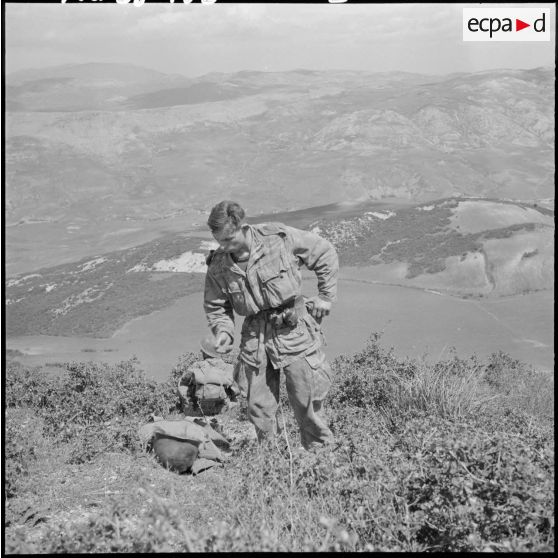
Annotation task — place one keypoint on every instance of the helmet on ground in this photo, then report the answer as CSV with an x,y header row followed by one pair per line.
x,y
174,454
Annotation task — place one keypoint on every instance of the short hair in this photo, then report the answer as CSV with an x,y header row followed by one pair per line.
x,y
225,213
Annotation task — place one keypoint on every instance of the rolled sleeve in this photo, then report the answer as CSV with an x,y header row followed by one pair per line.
x,y
319,256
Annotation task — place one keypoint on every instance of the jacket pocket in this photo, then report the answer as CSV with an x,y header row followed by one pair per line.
x,y
271,270
292,340
276,283
314,328
322,376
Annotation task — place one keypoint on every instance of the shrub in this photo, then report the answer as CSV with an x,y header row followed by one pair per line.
x,y
156,528
469,488
427,457
521,386
450,389
28,387
369,379
95,407
23,435
399,388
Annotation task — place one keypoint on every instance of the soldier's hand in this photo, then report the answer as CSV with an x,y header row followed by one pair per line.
x,y
319,308
223,342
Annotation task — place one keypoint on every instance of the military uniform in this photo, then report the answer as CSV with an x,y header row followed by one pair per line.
x,y
271,280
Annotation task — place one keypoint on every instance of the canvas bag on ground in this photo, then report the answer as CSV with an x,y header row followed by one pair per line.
x,y
186,445
208,385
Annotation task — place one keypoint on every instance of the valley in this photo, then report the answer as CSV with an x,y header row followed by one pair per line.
x,y
414,322
436,191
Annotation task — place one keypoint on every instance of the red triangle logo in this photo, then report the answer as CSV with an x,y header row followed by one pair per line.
x,y
519,25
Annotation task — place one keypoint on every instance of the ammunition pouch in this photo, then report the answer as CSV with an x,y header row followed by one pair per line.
x,y
288,314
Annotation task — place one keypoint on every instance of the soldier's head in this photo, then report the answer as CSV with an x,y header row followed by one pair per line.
x,y
225,221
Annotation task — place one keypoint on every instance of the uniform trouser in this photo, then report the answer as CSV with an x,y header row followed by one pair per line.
x,y
307,380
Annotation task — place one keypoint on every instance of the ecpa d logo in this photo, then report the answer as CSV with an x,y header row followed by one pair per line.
x,y
506,24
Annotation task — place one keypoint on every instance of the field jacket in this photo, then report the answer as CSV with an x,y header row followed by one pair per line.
x,y
272,278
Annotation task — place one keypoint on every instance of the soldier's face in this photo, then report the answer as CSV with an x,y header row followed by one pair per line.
x,y
230,239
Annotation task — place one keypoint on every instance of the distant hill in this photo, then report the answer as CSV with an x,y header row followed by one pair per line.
x,y
88,72
78,87
95,296
94,144
464,247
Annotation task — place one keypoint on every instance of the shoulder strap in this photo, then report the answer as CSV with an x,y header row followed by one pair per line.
x,y
280,229
271,228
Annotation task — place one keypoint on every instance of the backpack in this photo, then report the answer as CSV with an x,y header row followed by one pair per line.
x,y
186,445
208,387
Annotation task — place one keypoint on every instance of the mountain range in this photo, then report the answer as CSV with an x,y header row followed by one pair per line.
x,y
95,146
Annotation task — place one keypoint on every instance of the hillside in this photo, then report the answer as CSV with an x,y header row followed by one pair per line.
x,y
459,246
438,194
462,247
79,87
95,296
148,147
453,456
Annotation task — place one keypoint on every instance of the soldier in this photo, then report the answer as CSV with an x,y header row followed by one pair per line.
x,y
255,272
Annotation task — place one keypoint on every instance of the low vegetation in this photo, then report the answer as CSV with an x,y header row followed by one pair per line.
x,y
456,455
80,300
96,296
423,239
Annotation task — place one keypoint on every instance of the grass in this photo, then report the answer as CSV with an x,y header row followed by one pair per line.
x,y
457,455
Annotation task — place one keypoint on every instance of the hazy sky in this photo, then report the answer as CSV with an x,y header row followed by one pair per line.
x,y
194,39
